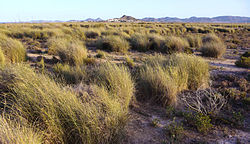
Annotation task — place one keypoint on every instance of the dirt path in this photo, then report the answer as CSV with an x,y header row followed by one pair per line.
x,y
227,66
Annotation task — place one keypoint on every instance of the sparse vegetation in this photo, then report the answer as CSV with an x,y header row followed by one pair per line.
x,y
89,82
70,51
13,49
113,43
174,74
244,60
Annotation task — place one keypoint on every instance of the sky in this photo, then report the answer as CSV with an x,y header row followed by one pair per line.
x,y
26,10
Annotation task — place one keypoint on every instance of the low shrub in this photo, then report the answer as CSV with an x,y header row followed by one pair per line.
x,y
174,74
194,41
16,133
174,44
117,80
70,51
244,60
211,38
140,42
2,58
175,131
72,75
200,121
64,116
213,49
92,33
113,43
129,61
100,54
13,50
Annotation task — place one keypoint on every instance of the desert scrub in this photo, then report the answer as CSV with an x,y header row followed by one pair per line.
x,y
13,50
71,51
2,58
210,38
213,46
194,41
101,54
70,74
213,49
200,121
116,80
113,43
206,101
64,116
129,61
175,131
15,132
92,33
161,78
244,60
140,42
174,44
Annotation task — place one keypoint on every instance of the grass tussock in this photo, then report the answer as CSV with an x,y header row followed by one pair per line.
x,y
2,57
13,50
69,50
113,43
72,75
174,74
117,80
175,44
213,49
244,60
12,132
140,42
64,116
194,41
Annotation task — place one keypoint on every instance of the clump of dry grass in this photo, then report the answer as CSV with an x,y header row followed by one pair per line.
x,y
140,42
113,43
2,57
13,50
64,116
15,133
194,41
212,46
162,78
175,44
69,50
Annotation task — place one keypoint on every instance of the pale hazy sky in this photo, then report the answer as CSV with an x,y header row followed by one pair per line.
x,y
25,10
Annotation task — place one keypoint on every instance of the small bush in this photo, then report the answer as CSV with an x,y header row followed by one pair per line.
x,y
92,33
12,132
213,49
129,61
244,60
101,54
175,44
2,58
64,116
200,121
117,80
175,131
174,74
211,38
70,51
113,43
194,41
13,50
140,42
72,75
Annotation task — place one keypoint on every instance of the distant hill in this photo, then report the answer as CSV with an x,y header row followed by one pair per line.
x,y
93,20
219,19
124,18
